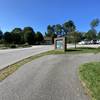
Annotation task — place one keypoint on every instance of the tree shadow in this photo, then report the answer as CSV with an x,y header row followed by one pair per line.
x,y
72,50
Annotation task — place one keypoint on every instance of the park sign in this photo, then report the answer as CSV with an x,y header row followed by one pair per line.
x,y
60,43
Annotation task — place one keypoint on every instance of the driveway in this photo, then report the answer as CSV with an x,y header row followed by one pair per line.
x,y
53,77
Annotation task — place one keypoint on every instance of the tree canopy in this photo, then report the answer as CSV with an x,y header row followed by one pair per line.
x,y
69,26
91,35
94,23
39,37
1,34
29,35
67,29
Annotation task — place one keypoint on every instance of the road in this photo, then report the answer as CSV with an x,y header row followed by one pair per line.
x,y
53,77
11,56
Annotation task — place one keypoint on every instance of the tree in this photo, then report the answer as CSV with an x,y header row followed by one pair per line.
x,y
8,37
39,37
17,30
91,35
58,30
29,35
75,37
94,23
50,30
18,36
98,35
69,27
1,34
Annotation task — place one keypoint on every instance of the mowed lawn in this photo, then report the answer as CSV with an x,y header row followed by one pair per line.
x,y
90,75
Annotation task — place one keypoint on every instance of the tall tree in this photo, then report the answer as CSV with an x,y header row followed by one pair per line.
x,y
91,35
39,37
1,34
98,35
58,30
17,35
94,23
75,37
8,38
69,26
17,30
50,30
29,35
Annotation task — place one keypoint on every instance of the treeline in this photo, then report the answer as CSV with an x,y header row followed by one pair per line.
x,y
21,36
27,35
67,29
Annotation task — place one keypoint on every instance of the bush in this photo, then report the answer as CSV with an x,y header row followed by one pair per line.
x,y
13,46
26,45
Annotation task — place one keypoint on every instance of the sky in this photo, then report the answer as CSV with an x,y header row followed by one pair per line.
x,y
40,13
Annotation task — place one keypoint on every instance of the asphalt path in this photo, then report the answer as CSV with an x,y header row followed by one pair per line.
x,y
53,77
10,56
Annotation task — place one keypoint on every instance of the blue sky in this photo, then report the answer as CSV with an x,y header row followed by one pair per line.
x,y
40,13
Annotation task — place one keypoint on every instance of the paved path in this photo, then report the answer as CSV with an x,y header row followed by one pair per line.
x,y
11,56
51,77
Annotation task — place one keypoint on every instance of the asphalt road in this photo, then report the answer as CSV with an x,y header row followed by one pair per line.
x,y
11,56
53,77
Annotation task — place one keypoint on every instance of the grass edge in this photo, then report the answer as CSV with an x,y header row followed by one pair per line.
x,y
87,91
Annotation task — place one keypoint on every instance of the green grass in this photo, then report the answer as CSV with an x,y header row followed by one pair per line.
x,y
75,51
12,68
90,75
83,50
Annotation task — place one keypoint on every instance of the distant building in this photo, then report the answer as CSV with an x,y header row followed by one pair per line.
x,y
48,40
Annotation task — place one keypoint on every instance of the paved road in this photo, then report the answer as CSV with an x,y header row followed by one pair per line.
x,y
51,77
11,56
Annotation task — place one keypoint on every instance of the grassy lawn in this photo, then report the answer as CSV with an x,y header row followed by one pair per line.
x,y
90,75
12,68
75,51
83,50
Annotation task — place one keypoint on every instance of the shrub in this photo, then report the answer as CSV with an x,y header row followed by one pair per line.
x,y
13,46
